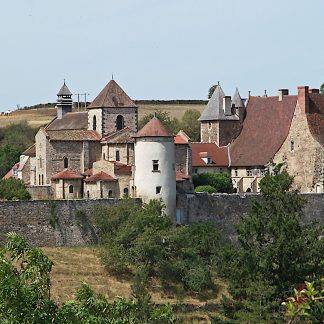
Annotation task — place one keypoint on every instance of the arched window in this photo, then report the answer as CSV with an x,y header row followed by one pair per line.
x,y
248,190
117,155
71,189
110,193
88,194
66,162
126,192
119,122
94,123
42,179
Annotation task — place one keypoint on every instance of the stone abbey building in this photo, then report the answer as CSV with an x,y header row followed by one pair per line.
x,y
100,153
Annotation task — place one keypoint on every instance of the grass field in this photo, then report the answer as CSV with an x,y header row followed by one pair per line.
x,y
74,265
41,117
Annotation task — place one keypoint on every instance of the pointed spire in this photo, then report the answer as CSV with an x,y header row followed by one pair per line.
x,y
64,91
237,100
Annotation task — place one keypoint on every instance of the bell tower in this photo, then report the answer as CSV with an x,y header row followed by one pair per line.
x,y
64,101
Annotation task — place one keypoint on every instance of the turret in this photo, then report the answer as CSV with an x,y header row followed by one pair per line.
x,y
154,165
64,101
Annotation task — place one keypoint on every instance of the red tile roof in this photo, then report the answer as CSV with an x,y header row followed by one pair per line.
x,y
10,173
112,96
219,155
154,128
181,138
88,172
265,128
122,136
71,120
121,168
67,174
101,176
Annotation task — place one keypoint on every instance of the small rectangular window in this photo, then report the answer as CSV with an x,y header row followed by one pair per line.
x,y
236,172
117,155
249,172
158,189
155,165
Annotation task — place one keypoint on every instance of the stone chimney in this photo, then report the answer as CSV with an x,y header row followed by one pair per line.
x,y
227,105
303,99
314,91
282,93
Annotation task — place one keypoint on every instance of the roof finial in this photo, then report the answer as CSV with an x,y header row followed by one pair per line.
x,y
112,76
249,93
265,93
218,82
154,114
64,81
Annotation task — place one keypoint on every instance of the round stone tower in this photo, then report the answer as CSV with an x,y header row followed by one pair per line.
x,y
154,175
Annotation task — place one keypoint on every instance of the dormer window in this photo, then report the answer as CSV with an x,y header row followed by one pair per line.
x,y
209,160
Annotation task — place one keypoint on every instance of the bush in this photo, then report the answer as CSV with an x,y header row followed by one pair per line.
x,y
220,181
207,188
191,125
142,240
13,189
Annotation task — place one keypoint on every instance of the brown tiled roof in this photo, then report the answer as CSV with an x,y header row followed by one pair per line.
x,y
67,174
10,173
88,172
154,128
219,155
73,135
72,120
112,96
122,136
181,138
316,118
121,168
31,151
101,176
265,128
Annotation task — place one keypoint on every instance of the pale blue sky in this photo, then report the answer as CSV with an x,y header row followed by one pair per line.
x,y
158,49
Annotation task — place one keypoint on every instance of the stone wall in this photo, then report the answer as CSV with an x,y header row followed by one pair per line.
x,y
58,223
52,223
227,210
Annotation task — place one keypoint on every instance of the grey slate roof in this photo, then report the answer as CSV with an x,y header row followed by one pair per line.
x,y
64,91
237,100
214,109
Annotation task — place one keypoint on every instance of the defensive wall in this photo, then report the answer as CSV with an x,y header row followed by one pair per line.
x,y
67,222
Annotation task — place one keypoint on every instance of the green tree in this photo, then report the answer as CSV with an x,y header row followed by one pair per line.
x,y
211,90
141,239
9,156
25,294
191,125
13,189
322,89
171,124
220,181
276,251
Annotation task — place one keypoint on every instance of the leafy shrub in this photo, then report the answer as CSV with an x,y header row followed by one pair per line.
x,y
220,181
140,238
13,189
191,125
206,188
9,156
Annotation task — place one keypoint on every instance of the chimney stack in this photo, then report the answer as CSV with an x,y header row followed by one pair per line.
x,y
303,99
227,105
282,93
314,91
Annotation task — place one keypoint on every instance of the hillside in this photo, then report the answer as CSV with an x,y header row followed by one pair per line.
x,y
74,265
42,116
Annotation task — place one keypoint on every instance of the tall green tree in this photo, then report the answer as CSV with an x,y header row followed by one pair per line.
x,y
191,125
211,90
171,124
276,252
9,156
322,89
13,189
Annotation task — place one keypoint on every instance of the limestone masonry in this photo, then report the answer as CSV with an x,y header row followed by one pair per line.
x,y
101,153
68,222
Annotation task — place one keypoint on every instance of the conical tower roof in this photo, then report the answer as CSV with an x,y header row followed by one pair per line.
x,y
214,109
64,91
237,100
112,96
154,128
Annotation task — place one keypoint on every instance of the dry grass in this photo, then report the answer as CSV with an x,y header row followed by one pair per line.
x,y
74,265
40,117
